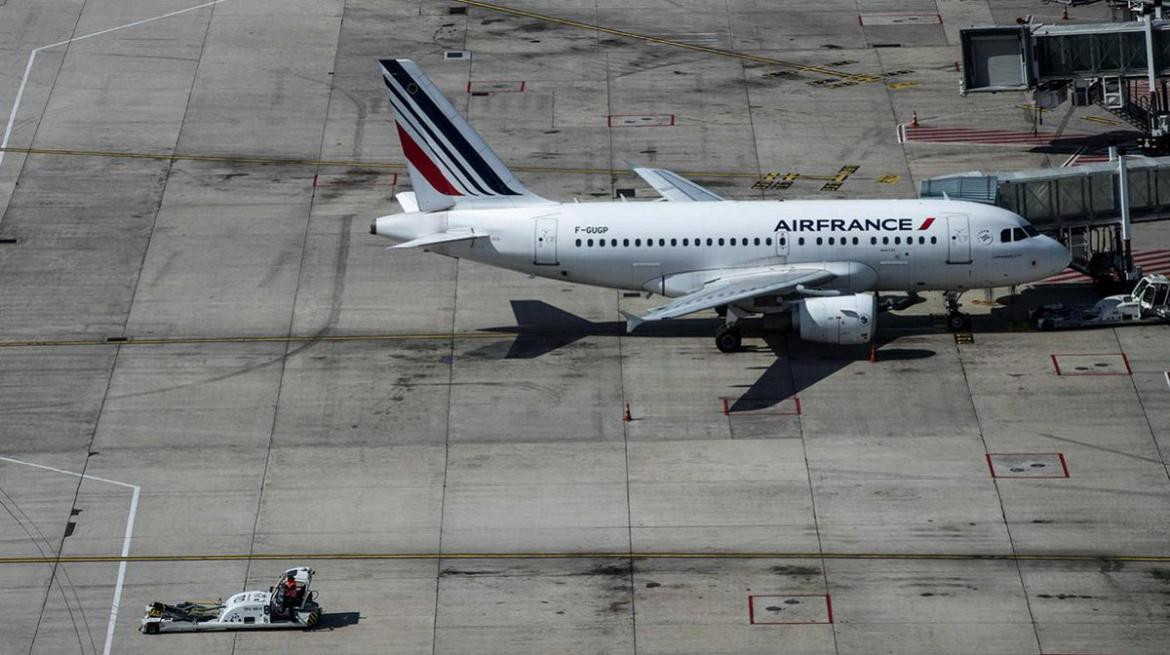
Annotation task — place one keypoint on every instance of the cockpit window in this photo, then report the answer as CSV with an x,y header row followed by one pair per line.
x,y
1005,235
1031,231
1018,234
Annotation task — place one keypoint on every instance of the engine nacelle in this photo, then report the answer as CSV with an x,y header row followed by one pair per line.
x,y
847,319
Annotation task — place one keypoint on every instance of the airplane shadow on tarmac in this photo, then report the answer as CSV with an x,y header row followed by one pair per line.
x,y
331,620
542,328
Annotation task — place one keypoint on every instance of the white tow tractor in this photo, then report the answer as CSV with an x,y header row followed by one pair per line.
x,y
281,607
1149,302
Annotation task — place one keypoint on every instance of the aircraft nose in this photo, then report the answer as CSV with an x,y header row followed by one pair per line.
x,y
1057,256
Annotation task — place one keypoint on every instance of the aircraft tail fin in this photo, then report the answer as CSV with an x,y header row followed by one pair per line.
x,y
448,161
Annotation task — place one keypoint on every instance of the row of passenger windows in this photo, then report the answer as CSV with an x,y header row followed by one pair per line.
x,y
832,241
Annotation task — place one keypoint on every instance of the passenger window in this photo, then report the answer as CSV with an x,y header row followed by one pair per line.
x,y
649,243
601,243
662,242
578,243
820,241
897,241
800,242
768,241
626,242
873,241
830,241
589,243
733,241
885,241
921,241
756,241
783,241
934,239
744,241
686,242
709,241
674,242
637,242
855,241
1005,235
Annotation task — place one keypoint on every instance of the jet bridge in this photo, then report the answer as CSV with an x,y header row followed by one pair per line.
x,y
1123,67
1080,205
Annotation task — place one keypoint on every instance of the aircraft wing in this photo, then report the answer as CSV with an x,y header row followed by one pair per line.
x,y
724,291
450,236
675,187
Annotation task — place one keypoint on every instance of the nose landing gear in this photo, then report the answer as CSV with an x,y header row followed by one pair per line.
x,y
957,321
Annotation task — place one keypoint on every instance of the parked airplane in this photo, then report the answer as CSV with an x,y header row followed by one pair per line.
x,y
812,266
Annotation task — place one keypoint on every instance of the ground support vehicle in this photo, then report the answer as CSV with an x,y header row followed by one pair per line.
x,y
1149,302
247,610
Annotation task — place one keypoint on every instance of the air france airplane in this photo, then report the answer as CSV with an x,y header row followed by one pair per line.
x,y
814,267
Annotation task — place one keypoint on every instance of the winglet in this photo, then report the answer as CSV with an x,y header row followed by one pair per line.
x,y
632,321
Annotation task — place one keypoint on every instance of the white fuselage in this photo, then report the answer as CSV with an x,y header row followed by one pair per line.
x,y
666,247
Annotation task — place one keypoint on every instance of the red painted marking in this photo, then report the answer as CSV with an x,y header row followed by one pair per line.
x,y
828,609
751,611
1124,359
926,224
424,164
1060,456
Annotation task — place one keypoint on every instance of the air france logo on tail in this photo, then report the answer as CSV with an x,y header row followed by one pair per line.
x,y
438,143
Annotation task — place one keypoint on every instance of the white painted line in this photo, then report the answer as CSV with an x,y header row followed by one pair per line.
x,y
135,489
1167,374
32,57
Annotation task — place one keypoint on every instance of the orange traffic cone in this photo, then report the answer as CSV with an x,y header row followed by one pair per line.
x,y
914,119
1064,14
626,414
872,353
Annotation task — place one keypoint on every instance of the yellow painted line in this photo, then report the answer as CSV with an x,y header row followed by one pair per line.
x,y
148,341
954,557
230,159
820,70
902,85
889,179
1098,119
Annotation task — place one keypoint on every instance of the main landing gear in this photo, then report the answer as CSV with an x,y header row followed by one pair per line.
x,y
957,321
728,338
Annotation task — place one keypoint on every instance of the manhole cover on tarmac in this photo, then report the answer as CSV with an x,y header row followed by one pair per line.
x,y
789,609
1103,364
1027,465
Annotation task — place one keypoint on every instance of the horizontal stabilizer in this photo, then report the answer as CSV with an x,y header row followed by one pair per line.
x,y
450,236
675,187
408,201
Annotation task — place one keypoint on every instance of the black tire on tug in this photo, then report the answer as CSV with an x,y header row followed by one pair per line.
x,y
728,339
150,628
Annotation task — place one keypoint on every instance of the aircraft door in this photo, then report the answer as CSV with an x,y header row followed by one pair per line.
x,y
958,239
545,242
782,246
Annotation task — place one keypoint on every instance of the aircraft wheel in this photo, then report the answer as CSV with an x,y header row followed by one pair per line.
x,y
959,322
728,338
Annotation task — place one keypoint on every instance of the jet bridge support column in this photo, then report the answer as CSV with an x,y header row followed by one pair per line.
x,y
1123,200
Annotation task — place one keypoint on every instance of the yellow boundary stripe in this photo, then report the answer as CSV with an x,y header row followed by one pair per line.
x,y
389,166
40,343
820,70
992,557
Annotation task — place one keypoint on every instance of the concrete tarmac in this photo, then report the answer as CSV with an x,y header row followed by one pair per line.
x,y
208,364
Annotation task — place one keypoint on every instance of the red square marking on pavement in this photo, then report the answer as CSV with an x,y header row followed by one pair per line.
x,y
640,120
1027,465
1091,364
495,86
790,609
789,406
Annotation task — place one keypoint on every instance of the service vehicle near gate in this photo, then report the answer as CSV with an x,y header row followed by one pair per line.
x,y
247,610
1149,302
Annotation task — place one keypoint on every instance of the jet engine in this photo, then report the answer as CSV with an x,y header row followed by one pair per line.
x,y
845,319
